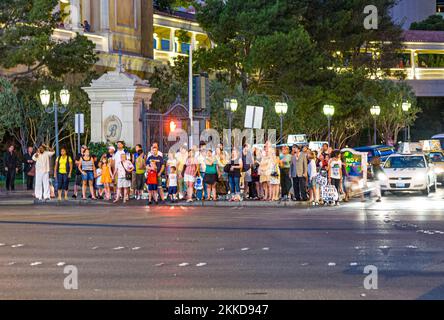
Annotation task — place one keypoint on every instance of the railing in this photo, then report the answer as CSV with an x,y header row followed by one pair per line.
x,y
422,73
101,42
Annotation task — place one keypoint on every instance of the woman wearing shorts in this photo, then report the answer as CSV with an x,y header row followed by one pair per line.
x,y
210,177
88,171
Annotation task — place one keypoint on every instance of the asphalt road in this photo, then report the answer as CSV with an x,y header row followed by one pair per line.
x,y
225,253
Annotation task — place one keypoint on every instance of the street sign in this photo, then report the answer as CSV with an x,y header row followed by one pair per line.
x,y
79,123
253,117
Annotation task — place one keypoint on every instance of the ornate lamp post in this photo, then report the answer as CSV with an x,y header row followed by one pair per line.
x,y
45,99
329,111
406,105
375,111
281,109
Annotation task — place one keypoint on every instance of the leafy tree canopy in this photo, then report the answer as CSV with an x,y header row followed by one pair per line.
x,y
433,22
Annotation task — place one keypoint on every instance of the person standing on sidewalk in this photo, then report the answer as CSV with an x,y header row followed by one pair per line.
x,y
62,172
335,173
42,168
284,165
10,161
29,168
299,174
139,162
376,172
78,180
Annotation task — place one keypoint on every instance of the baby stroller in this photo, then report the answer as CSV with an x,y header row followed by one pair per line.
x,y
329,194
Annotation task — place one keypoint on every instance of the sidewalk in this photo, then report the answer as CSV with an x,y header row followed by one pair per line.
x,y
22,198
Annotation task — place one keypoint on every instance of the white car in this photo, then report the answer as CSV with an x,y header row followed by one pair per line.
x,y
407,172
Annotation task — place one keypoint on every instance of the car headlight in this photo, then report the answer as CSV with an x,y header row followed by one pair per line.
x,y
382,176
420,176
438,170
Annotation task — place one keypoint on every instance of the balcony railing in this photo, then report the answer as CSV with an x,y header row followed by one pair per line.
x,y
101,42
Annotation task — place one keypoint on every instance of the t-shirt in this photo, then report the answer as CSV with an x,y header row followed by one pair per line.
x,y
336,166
152,177
139,162
157,159
211,169
62,161
99,177
191,166
118,158
172,179
286,160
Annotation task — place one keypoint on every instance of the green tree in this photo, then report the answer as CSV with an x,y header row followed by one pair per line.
x,y
433,22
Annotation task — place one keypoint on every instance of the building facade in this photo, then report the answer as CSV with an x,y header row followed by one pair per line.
x,y
146,37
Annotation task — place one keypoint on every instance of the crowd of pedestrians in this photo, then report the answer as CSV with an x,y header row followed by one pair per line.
x,y
262,173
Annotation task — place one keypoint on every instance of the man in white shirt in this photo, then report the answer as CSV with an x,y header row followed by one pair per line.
x,y
41,158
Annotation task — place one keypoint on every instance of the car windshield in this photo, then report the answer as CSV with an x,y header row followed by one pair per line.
x,y
436,157
405,162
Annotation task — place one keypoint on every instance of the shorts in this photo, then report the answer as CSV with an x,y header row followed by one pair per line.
x,y
172,190
210,178
62,182
88,176
189,178
312,183
78,180
123,183
152,187
140,181
100,186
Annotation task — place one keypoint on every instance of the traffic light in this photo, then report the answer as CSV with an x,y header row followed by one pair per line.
x,y
201,91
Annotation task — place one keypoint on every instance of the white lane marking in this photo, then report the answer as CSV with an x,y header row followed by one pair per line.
x,y
184,264
304,264
353,264
266,249
17,245
384,247
331,264
245,249
2,244
10,263
61,264
118,248
221,249
201,264
37,263
135,248
159,264
412,247
94,248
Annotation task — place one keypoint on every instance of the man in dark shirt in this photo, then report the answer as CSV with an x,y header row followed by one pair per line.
x,y
11,161
29,163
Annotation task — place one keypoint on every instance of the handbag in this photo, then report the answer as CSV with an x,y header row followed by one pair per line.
x,y
128,175
31,172
227,168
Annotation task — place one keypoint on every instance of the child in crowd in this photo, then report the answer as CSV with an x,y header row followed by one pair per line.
x,y
106,178
99,183
151,181
172,184
198,186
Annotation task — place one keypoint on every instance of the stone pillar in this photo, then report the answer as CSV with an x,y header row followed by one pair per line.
x,y
86,11
413,63
104,15
115,100
172,39
75,15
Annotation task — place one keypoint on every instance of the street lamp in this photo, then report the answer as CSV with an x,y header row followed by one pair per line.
x,y
406,105
281,109
329,111
45,99
230,106
375,111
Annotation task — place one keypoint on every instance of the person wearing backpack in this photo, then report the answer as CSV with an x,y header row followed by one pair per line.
x,y
62,173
